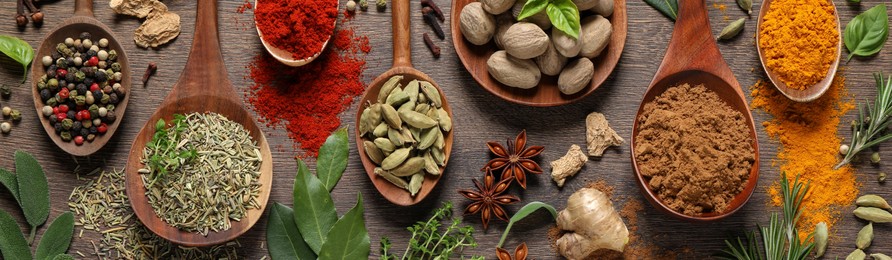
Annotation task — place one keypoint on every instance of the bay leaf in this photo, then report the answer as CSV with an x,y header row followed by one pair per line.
x,y
348,238
57,237
314,211
284,240
669,8
332,160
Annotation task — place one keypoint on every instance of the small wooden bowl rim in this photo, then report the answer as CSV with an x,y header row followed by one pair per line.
x,y
284,56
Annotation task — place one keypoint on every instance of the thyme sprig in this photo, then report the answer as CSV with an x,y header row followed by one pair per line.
x,y
780,238
868,130
429,241
168,153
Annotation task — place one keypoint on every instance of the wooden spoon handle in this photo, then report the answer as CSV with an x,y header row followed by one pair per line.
x,y
402,52
205,72
692,46
83,7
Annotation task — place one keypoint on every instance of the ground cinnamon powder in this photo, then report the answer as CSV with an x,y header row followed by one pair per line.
x,y
694,149
809,148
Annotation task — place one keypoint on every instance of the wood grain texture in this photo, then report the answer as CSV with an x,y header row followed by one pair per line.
x,y
479,117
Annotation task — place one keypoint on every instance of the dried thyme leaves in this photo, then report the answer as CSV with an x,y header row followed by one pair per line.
x,y
219,185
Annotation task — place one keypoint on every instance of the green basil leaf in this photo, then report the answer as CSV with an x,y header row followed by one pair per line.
x,y
57,237
523,213
283,239
12,242
9,181
63,257
35,194
531,7
866,34
348,238
669,8
18,50
314,211
564,16
332,159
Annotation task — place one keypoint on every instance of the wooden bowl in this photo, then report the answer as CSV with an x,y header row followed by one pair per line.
x,y
547,94
286,57
83,21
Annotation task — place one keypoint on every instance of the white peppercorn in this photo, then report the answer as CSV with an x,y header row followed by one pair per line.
x,y
6,111
94,48
351,6
5,127
118,76
103,42
87,43
843,149
78,61
47,111
47,61
69,42
97,121
102,54
103,111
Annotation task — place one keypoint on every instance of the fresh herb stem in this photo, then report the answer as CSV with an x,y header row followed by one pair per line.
x,y
868,131
31,236
429,241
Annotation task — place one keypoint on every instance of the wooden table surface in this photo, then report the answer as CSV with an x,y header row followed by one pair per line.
x,y
479,117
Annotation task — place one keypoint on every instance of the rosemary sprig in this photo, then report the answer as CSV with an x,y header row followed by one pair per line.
x,y
868,131
778,234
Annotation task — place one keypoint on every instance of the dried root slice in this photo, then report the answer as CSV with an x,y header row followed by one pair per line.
x,y
567,166
599,135
159,29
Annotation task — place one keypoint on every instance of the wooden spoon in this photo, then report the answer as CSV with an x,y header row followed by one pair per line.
x,y
203,87
694,58
402,65
813,92
286,57
82,21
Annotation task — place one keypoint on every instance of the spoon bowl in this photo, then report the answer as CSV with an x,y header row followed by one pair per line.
x,y
204,69
286,57
693,57
810,93
402,65
83,21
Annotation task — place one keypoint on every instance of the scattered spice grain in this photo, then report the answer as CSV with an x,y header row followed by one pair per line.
x,y
792,27
312,20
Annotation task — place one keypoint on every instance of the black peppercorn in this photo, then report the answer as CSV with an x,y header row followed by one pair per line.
x,y
53,119
113,98
82,89
5,91
94,130
88,81
84,132
100,76
57,126
97,94
70,77
90,54
85,35
120,92
110,116
56,55
51,72
45,95
76,126
69,61
71,114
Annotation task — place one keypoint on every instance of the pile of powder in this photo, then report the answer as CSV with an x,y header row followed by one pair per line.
x,y
799,39
694,149
809,148
307,100
300,27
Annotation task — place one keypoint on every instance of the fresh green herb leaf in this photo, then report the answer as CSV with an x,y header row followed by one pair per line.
x,y
12,242
348,238
669,8
532,7
167,156
429,241
283,238
18,50
523,213
314,211
332,159
9,181
867,32
564,16
56,238
36,197
63,257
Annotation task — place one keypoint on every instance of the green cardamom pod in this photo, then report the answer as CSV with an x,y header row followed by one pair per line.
x,y
873,214
407,135
872,201
365,121
445,120
428,137
422,108
422,98
411,166
856,255
412,89
408,106
879,256
415,183
433,114
399,182
439,156
395,137
733,29
389,85
385,144
391,117
430,166
440,143
397,97
416,119
821,237
373,152
432,93
380,130
746,5
375,116
865,237
396,158
416,133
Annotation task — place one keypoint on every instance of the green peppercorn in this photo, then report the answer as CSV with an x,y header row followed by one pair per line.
x,y
5,91
52,83
64,50
80,100
62,63
882,177
105,99
67,123
16,115
364,5
52,102
79,76
41,85
112,55
116,67
382,5
91,137
66,136
875,157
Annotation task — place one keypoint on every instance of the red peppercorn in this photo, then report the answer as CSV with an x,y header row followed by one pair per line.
x,y
63,108
86,115
79,115
61,116
55,110
63,94
93,61
61,73
94,87
78,140
102,128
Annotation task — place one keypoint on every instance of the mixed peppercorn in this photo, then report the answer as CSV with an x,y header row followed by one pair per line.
x,y
81,88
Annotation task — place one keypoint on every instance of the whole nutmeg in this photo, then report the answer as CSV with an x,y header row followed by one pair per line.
x,y
551,62
20,20
476,25
525,40
540,18
512,71
596,32
565,44
576,76
37,17
602,7
497,6
503,22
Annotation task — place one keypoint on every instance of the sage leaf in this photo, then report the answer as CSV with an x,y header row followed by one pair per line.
x,y
523,213
12,242
36,197
9,181
332,159
283,239
348,238
314,211
532,7
669,8
57,237
63,257
564,16
867,32
18,50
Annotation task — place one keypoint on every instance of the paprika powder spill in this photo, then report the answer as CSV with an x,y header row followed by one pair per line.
x,y
300,27
307,100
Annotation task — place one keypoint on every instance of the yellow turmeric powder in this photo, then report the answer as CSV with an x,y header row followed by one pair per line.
x,y
799,41
809,148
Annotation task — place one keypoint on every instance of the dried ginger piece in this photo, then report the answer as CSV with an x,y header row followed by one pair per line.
x,y
592,223
599,135
568,165
159,29
138,8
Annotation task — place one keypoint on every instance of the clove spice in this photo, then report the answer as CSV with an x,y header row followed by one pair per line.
x,y
36,15
432,21
149,72
437,11
435,50
20,19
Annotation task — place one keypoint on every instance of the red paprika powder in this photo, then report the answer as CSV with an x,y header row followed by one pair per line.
x,y
300,27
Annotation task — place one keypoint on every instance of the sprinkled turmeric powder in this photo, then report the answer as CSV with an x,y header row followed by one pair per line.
x,y
809,147
799,41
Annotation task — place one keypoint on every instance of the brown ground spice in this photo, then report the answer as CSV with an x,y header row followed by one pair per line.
x,y
695,150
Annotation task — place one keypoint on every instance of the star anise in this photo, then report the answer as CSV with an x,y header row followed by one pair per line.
x,y
519,254
488,198
515,159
